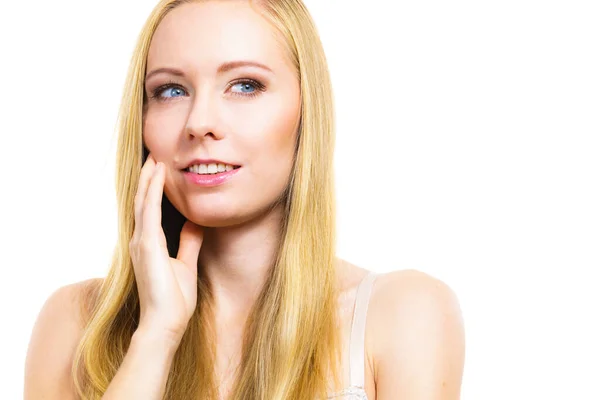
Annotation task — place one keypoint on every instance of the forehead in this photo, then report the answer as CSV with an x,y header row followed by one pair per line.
x,y
201,36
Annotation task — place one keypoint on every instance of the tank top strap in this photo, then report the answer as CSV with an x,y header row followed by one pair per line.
x,y
357,330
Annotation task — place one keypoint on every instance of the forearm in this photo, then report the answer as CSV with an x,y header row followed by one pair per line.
x,y
144,371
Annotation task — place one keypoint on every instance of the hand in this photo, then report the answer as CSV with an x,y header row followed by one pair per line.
x,y
167,287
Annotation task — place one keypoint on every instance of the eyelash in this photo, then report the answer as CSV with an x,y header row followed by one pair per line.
x,y
258,86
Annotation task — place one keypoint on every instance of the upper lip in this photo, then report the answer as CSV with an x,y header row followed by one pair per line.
x,y
197,161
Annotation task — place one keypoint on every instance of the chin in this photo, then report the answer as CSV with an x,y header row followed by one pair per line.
x,y
221,216
211,219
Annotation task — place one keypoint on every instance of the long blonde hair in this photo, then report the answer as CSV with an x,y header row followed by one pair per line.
x,y
291,344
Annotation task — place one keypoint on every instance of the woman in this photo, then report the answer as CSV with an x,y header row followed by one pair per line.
x,y
226,143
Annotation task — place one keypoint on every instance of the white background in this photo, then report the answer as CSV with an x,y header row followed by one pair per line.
x,y
467,147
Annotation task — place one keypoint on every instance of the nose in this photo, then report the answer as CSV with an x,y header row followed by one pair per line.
x,y
203,117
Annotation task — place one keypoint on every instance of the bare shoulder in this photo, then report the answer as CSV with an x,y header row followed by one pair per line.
x,y
54,338
416,337
410,288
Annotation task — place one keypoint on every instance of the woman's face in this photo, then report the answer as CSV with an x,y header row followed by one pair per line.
x,y
244,115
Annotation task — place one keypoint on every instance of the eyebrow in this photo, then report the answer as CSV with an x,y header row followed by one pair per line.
x,y
228,66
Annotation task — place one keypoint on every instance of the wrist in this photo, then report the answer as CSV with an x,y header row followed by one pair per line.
x,y
148,337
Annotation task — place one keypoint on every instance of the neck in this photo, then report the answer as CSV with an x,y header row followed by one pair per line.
x,y
236,261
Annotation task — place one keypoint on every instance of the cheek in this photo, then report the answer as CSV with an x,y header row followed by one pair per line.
x,y
276,131
159,133
285,141
273,151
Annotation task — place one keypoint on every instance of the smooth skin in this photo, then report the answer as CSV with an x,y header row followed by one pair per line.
x,y
414,339
167,286
414,342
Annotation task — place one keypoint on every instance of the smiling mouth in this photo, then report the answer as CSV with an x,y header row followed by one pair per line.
x,y
211,169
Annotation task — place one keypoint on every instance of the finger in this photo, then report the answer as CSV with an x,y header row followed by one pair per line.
x,y
190,241
151,213
144,181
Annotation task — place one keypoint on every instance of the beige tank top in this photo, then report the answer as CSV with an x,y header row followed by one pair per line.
x,y
356,391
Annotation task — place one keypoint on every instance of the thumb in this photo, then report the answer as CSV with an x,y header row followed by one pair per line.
x,y
190,241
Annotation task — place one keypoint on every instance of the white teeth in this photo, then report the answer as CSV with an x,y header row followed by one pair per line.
x,y
210,168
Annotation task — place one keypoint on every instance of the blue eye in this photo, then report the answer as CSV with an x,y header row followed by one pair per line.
x,y
246,85
172,90
255,86
249,88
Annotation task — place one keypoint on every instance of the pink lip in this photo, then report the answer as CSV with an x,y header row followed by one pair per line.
x,y
210,180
